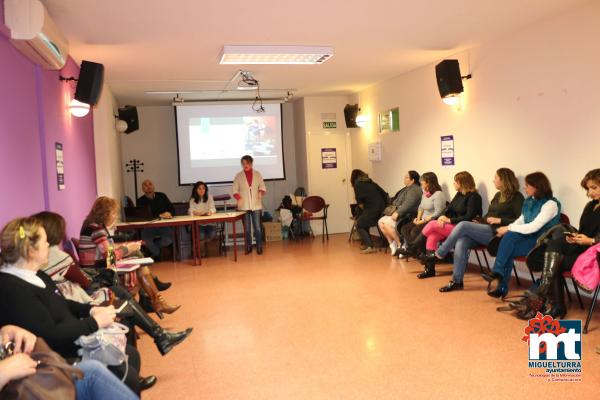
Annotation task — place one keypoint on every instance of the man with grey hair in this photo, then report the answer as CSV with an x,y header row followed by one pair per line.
x,y
160,207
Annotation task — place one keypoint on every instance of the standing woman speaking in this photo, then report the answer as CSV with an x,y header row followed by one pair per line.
x,y
249,189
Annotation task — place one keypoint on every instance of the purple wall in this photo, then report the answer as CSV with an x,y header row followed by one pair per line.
x,y
34,116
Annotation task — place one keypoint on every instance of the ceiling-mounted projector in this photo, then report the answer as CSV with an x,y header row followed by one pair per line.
x,y
247,82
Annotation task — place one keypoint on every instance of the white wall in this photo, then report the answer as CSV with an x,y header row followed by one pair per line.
x,y
107,145
155,144
531,105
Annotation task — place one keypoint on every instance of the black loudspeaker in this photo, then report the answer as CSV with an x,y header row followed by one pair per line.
x,y
350,113
448,77
89,84
129,114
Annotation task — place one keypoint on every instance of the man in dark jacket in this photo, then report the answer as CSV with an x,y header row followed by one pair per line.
x,y
371,199
161,207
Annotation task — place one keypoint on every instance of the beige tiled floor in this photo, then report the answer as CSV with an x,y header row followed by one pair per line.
x,y
313,321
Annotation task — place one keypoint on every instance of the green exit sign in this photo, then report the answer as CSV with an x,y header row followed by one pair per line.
x,y
329,125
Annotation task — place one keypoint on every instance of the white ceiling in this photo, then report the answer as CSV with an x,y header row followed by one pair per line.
x,y
152,45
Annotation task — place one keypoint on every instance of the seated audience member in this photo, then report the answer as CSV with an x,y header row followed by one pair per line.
x,y
404,205
562,250
465,206
540,212
433,203
202,203
30,299
371,199
160,207
95,245
61,267
98,383
504,209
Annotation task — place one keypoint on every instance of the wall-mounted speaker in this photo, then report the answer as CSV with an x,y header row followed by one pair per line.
x,y
129,114
89,84
350,113
448,76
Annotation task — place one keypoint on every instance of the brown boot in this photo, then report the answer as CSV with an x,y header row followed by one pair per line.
x,y
159,304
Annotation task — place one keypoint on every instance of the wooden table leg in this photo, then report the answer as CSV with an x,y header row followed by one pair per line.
x,y
234,242
194,245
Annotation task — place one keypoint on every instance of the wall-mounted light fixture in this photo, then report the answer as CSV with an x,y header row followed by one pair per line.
x,y
362,120
76,107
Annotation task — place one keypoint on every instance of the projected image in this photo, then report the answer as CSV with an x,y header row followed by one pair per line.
x,y
215,138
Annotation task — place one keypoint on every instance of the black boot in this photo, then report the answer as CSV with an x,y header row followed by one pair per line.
x,y
164,340
559,309
414,248
552,261
161,286
429,265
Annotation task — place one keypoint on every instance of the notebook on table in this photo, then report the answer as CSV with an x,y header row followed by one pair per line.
x,y
138,214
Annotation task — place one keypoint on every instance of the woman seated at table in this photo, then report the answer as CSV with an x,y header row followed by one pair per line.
x,y
201,204
504,209
465,206
69,277
96,244
30,299
540,212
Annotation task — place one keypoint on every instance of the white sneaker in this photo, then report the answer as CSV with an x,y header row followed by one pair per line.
x,y
393,247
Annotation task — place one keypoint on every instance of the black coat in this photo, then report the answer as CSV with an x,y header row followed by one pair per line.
x,y
45,313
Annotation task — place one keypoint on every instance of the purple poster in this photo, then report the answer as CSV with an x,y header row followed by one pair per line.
x,y
328,158
447,150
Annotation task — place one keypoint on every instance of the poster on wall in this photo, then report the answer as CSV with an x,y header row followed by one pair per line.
x,y
375,151
447,150
328,158
60,166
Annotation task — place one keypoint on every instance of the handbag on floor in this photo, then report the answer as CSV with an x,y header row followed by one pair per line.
x,y
53,379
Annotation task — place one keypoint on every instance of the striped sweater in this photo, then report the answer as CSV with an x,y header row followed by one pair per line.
x,y
94,243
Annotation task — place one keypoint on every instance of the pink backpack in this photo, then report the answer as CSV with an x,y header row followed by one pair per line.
x,y
585,270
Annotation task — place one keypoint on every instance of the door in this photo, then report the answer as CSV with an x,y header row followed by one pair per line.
x,y
328,169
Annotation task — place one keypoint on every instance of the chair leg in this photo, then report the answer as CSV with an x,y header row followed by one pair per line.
x,y
516,274
577,293
323,233
589,317
326,229
531,274
564,283
487,263
352,231
478,260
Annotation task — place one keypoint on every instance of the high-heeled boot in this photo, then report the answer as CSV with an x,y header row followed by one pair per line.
x,y
164,340
429,265
159,304
552,261
559,309
161,286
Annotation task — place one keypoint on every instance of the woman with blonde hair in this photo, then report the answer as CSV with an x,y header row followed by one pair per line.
x,y
504,209
96,245
30,299
465,206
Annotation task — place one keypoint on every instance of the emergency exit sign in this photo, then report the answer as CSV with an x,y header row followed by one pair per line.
x,y
329,125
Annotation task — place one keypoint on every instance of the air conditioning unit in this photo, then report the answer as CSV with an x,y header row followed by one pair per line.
x,y
33,32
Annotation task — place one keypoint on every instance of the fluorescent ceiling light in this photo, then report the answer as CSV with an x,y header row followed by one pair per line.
x,y
275,54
